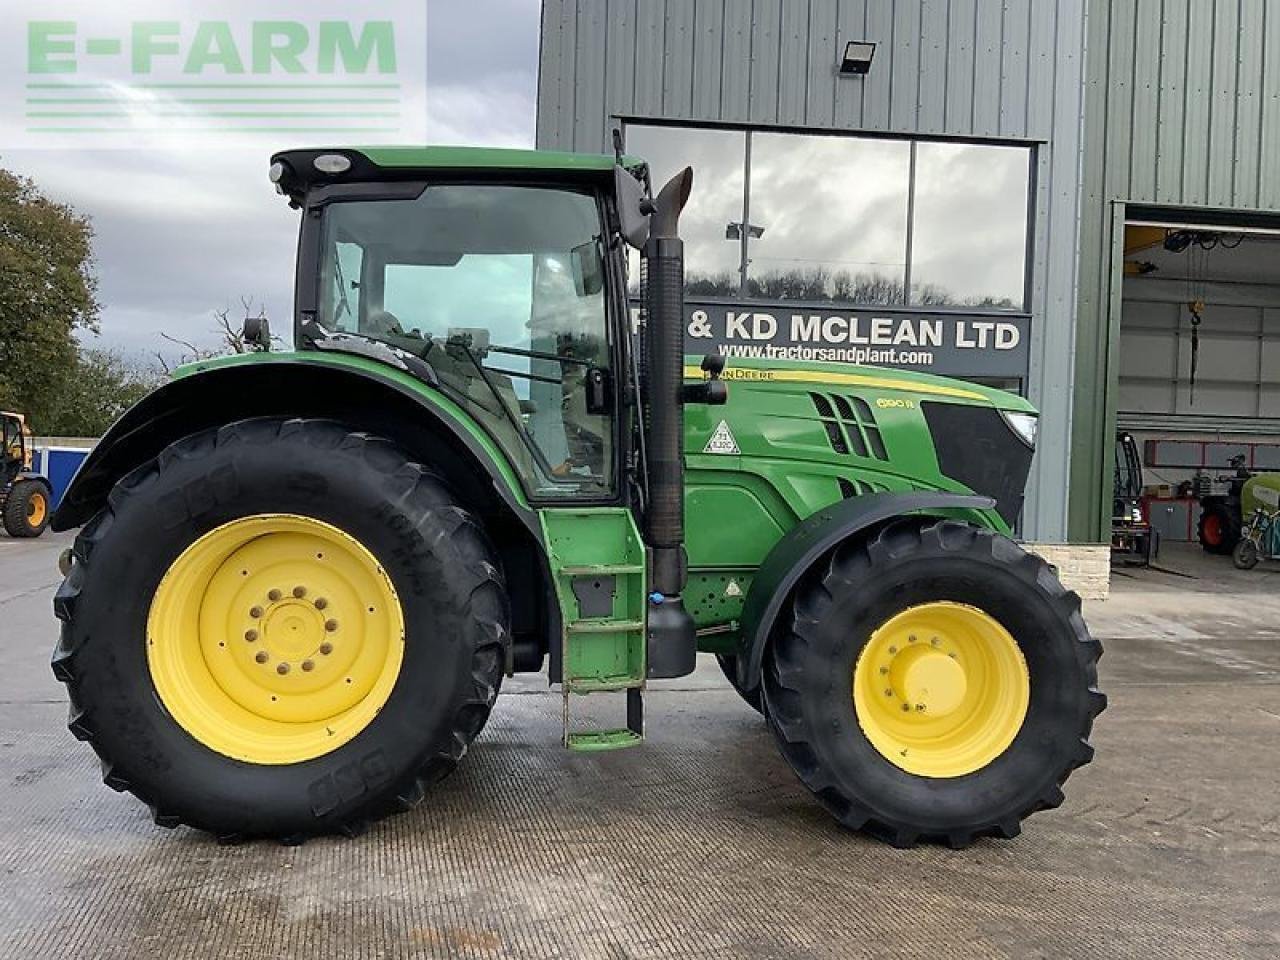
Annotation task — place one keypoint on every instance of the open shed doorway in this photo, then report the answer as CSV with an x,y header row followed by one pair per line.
x,y
1199,365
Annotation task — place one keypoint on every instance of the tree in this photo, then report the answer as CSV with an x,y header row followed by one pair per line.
x,y
47,292
102,386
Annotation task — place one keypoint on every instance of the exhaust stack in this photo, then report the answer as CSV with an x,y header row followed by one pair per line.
x,y
672,646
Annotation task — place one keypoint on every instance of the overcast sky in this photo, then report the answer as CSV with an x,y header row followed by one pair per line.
x,y
182,231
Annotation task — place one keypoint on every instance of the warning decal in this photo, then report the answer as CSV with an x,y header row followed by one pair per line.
x,y
722,441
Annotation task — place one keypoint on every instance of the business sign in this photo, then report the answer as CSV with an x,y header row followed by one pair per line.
x,y
974,345
94,75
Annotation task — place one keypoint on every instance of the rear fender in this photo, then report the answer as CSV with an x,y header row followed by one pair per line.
x,y
331,386
803,545
359,394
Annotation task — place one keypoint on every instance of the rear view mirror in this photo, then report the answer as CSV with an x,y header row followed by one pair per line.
x,y
588,275
633,207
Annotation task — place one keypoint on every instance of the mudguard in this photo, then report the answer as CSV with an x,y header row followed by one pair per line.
x,y
801,547
257,385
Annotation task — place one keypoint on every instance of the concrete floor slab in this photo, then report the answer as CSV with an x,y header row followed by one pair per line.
x,y
701,842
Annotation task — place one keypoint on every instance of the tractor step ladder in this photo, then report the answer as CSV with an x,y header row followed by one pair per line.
x,y
598,561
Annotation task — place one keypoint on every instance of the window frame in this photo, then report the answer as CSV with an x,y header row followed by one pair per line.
x,y
1032,147
309,296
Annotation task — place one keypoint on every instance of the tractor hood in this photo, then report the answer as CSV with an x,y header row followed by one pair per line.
x,y
872,429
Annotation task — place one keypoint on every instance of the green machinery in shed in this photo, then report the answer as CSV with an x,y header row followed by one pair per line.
x,y
302,576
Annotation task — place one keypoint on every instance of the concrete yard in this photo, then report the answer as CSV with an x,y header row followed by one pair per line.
x,y
700,843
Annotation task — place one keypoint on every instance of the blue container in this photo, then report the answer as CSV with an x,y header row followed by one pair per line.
x,y
58,465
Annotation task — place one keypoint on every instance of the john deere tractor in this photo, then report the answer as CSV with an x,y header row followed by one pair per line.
x,y
302,576
25,497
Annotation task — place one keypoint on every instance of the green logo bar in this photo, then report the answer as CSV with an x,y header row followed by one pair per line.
x,y
87,70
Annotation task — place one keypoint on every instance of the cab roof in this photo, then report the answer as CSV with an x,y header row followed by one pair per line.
x,y
491,158
414,162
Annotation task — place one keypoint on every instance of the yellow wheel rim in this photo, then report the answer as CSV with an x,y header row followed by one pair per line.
x,y
36,509
275,639
941,689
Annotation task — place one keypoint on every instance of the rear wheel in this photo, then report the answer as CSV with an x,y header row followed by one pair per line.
x,y
295,630
26,510
1218,529
729,667
936,682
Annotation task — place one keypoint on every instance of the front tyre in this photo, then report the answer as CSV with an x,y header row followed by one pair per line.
x,y
936,682
280,628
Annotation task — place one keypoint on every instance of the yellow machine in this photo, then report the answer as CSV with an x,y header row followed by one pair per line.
x,y
26,498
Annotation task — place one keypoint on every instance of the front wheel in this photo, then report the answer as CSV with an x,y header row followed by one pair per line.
x,y
936,682
280,629
1245,555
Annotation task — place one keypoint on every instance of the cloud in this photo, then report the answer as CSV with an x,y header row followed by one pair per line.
x,y
184,229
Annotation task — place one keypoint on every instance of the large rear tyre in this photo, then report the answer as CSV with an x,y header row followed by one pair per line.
x,y
936,682
729,667
280,629
27,508
1218,529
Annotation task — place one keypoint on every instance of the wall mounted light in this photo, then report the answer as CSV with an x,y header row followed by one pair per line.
x,y
857,58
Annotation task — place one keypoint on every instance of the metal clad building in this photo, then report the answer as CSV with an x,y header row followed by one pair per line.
x,y
1183,123
1009,73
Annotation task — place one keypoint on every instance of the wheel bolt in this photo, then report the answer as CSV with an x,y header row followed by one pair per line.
x,y
920,707
282,669
321,603
326,648
888,692
299,592
934,641
273,595
331,625
893,649
255,612
261,656
307,666
884,670
912,638
251,635
905,708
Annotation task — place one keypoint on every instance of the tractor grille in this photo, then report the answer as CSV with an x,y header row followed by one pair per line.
x,y
850,425
851,487
977,448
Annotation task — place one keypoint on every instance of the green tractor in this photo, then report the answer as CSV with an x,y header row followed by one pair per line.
x,y
301,577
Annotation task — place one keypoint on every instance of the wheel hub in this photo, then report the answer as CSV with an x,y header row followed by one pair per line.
x,y
928,681
275,638
941,689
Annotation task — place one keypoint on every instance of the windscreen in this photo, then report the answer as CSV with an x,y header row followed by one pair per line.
x,y
501,290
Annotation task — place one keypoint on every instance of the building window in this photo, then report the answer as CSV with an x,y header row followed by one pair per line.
x,y
848,219
710,264
969,243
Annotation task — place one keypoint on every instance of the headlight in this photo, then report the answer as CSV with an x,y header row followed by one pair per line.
x,y
1024,425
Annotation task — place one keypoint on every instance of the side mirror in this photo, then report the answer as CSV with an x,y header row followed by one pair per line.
x,y
633,207
257,333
